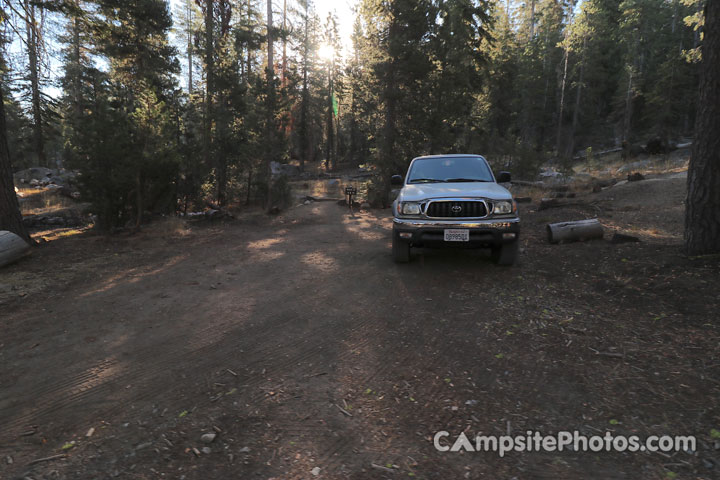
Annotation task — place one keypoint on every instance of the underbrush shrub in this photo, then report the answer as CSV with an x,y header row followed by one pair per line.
x,y
378,193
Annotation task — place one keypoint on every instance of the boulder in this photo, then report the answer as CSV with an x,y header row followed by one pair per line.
x,y
12,247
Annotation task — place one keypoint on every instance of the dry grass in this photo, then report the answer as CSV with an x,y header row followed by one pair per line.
x,y
168,227
35,201
607,166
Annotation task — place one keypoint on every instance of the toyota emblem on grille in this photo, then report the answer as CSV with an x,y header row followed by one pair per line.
x,y
457,208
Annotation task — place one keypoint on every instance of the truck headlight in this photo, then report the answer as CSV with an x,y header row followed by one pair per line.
x,y
503,208
410,208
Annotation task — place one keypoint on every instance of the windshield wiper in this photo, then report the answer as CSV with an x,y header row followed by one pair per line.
x,y
425,180
458,180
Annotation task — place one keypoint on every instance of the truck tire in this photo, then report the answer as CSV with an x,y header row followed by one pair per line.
x,y
505,254
400,250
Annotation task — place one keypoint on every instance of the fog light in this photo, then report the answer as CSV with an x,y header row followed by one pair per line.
x,y
509,236
407,235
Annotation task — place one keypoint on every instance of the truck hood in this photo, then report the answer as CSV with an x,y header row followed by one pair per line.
x,y
424,191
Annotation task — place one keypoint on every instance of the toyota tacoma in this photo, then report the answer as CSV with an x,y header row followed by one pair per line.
x,y
454,201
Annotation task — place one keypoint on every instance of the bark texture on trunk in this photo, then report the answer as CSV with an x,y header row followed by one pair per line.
x,y
189,33
210,80
270,123
10,217
702,211
32,46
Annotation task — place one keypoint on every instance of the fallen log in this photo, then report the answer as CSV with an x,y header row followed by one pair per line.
x,y
579,230
323,199
12,247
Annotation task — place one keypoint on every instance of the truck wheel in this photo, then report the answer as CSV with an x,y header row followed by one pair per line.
x,y
400,250
505,254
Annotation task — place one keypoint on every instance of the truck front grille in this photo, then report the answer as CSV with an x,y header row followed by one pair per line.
x,y
456,209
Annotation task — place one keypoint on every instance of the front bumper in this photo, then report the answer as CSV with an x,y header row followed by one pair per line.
x,y
430,233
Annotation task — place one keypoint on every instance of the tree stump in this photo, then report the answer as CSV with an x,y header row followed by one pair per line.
x,y
12,247
579,230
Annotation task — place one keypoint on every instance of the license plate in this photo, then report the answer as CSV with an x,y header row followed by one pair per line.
x,y
456,235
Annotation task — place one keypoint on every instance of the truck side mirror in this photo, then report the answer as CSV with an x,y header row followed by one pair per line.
x,y
503,177
396,180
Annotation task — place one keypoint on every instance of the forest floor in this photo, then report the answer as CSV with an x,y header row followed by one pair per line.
x,y
310,354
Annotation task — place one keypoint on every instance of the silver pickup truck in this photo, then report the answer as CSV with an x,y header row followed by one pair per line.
x,y
454,201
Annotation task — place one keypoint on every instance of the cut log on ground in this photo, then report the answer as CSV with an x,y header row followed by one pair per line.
x,y
579,230
323,199
12,247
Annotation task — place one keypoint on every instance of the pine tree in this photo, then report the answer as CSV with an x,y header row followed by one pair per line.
x,y
702,212
124,136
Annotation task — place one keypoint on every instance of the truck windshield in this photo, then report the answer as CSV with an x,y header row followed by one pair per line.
x,y
450,170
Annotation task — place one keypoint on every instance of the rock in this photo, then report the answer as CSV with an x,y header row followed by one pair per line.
x,y
12,248
365,206
550,174
307,202
633,166
285,169
60,221
206,450
315,471
143,445
471,403
635,177
34,182
208,437
244,450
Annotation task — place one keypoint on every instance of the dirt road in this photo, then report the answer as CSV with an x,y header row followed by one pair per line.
x,y
311,355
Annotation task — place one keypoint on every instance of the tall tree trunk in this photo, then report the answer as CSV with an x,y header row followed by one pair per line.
x,y
628,107
10,217
209,81
578,99
32,46
270,123
558,146
189,33
248,69
305,95
702,212
76,80
284,45
330,146
532,19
